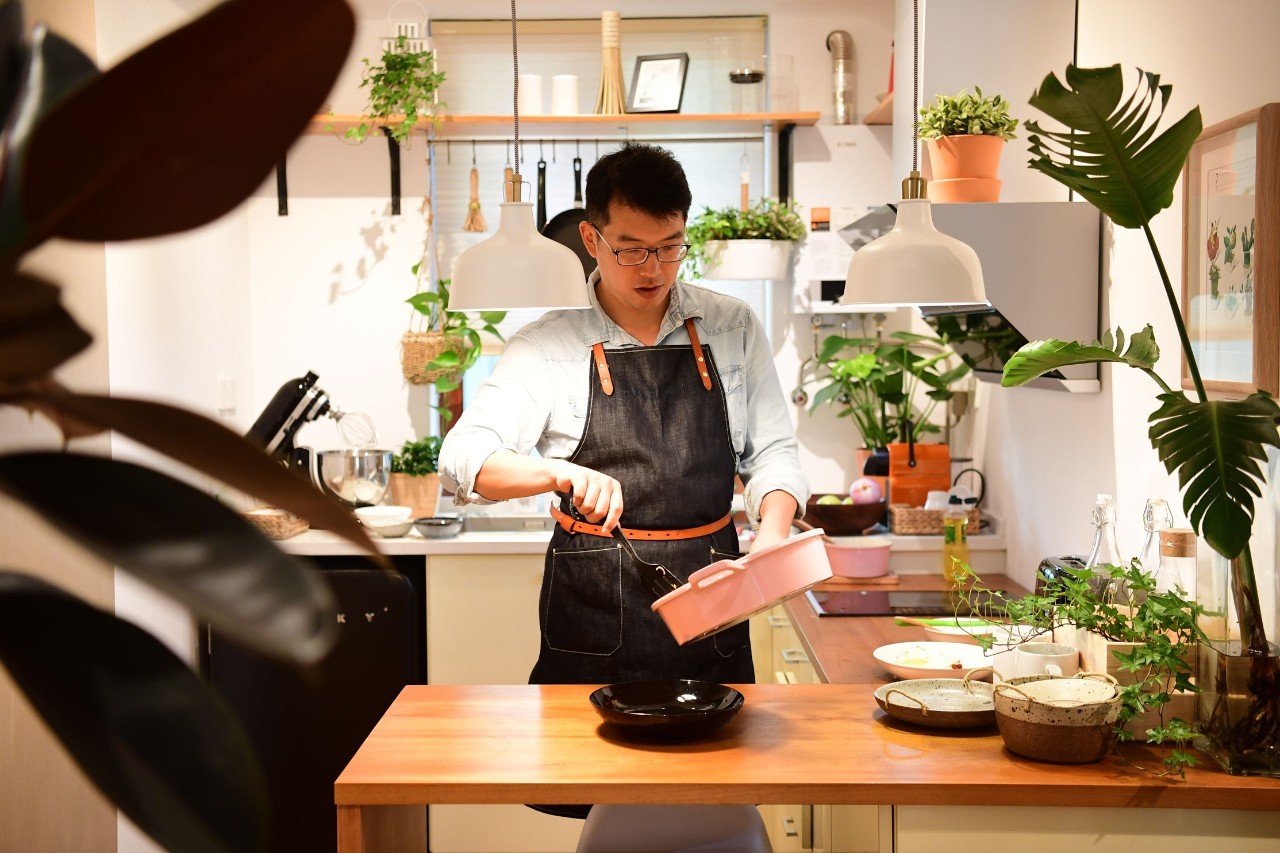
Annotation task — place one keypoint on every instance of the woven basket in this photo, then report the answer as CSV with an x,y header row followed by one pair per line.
x,y
275,523
418,349
913,521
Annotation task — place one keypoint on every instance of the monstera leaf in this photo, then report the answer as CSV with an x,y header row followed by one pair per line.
x,y
1040,357
1217,448
1107,153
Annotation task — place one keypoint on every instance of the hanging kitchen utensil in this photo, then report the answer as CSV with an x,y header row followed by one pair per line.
x,y
745,201
475,219
563,227
542,193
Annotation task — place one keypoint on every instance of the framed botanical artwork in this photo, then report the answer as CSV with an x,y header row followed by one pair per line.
x,y
657,84
1231,254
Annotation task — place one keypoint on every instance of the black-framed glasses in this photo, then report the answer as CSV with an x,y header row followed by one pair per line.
x,y
672,254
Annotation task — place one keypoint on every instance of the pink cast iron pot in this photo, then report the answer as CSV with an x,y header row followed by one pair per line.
x,y
727,592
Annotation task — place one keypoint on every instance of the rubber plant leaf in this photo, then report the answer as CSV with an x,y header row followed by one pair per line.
x,y
150,733
183,542
165,156
1040,357
1107,153
36,333
208,447
52,68
1218,450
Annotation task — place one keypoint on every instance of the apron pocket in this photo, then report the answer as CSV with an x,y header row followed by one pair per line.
x,y
733,640
584,602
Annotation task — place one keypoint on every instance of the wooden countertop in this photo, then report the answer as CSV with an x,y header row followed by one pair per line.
x,y
815,743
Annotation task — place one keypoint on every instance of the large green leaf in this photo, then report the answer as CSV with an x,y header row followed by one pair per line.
x,y
207,446
183,542
150,733
1218,449
1040,357
1107,153
186,128
36,333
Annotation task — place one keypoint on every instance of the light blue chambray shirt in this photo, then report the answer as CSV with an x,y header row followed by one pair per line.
x,y
537,396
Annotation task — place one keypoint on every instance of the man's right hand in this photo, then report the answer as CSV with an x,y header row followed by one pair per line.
x,y
597,496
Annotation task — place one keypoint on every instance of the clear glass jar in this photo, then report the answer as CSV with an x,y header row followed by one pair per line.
x,y
1156,516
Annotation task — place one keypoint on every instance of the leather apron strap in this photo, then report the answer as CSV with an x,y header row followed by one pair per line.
x,y
699,360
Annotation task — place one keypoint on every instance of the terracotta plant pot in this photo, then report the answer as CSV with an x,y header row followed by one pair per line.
x,y
965,168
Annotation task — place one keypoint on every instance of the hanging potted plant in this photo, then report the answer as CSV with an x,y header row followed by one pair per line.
x,y
1216,447
965,135
447,343
756,243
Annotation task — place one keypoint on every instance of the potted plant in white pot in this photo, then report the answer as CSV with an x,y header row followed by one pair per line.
x,y
756,243
965,136
1110,156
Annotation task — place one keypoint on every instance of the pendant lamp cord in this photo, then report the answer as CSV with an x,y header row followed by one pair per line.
x,y
915,82
515,88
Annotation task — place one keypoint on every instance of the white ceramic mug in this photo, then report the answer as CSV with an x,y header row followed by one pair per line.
x,y
1040,659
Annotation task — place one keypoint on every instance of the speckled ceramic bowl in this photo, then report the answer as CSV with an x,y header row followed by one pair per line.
x,y
1059,720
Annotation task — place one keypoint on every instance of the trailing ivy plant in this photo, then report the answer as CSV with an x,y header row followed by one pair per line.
x,y
1122,605
967,115
401,88
767,219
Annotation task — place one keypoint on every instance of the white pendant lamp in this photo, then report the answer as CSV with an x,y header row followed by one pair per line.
x,y
517,267
915,263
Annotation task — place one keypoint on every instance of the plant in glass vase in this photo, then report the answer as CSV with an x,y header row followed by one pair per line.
x,y
1109,153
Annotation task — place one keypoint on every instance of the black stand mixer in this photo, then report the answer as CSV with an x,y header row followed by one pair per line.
x,y
357,477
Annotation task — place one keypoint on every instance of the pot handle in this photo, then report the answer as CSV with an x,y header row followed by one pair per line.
x,y
1105,676
708,575
968,676
924,709
1007,686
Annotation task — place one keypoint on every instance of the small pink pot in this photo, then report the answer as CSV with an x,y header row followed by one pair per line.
x,y
866,557
727,592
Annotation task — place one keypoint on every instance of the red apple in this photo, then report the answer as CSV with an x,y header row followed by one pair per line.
x,y
864,490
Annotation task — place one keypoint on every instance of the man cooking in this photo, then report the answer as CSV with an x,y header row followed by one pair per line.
x,y
642,408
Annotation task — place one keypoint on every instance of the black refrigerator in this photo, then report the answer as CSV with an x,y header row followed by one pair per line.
x,y
305,726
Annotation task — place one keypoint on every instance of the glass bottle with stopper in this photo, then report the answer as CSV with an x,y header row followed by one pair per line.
x,y
1106,550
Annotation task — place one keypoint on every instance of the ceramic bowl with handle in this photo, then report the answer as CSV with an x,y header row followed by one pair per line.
x,y
1058,720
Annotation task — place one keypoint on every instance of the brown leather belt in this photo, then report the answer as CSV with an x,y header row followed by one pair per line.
x,y
572,526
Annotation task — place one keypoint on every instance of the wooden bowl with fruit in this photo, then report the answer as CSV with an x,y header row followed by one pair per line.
x,y
848,515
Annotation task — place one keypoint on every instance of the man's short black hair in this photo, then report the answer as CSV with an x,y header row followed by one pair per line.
x,y
645,178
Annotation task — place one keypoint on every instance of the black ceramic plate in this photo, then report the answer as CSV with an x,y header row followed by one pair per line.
x,y
673,709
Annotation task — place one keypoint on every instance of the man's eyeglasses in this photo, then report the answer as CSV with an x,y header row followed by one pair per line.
x,y
672,254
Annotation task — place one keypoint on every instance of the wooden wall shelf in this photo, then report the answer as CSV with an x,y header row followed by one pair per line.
x,y
639,124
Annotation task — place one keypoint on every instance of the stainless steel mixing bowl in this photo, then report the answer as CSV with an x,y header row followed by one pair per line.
x,y
355,477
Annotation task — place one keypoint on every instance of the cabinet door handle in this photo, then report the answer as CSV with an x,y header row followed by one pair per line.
x,y
787,677
789,827
779,621
794,656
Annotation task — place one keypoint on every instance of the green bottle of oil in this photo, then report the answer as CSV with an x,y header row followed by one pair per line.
x,y
955,538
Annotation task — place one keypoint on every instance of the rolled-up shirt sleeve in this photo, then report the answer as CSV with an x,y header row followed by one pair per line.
x,y
771,457
510,411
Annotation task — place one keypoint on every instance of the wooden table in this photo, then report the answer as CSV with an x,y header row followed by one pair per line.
x,y
817,743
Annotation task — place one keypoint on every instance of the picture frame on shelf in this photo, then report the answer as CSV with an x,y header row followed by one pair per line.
x,y
1231,254
657,83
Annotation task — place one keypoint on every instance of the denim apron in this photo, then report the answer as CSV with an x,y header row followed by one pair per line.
x,y
662,431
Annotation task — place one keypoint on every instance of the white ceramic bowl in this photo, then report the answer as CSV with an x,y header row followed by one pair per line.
x,y
392,530
376,515
931,660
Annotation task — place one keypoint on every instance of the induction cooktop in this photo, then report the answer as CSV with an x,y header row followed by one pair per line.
x,y
877,602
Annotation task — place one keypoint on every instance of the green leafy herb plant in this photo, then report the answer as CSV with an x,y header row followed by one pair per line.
x,y
967,115
402,88
417,457
767,219
1122,605
462,333
1110,155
